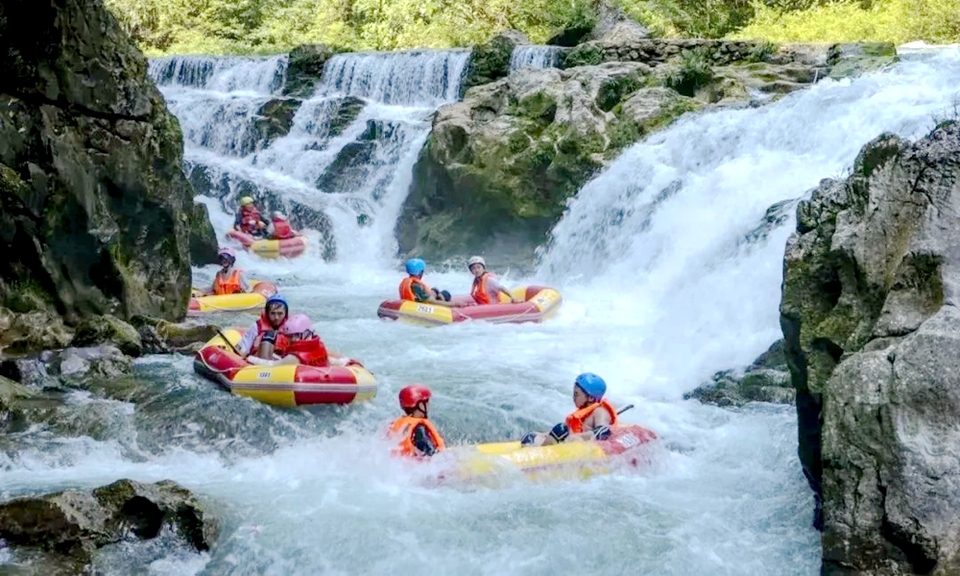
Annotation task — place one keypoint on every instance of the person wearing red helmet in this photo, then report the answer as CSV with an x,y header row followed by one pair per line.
x,y
418,437
229,280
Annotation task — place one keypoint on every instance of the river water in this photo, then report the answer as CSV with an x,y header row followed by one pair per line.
x,y
670,266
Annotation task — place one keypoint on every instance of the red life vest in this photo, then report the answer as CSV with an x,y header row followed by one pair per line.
x,y
311,351
281,229
228,285
406,288
263,325
575,420
250,219
403,429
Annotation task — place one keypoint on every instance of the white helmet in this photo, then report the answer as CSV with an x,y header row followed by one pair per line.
x,y
278,215
476,260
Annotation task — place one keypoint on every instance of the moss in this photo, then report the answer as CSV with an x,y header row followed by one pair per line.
x,y
612,92
584,55
537,106
693,73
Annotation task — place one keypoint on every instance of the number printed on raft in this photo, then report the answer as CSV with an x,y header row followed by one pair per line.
x,y
263,375
628,440
425,309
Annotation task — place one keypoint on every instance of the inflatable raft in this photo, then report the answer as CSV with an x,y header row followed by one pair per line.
x,y
627,447
270,248
538,304
200,305
283,385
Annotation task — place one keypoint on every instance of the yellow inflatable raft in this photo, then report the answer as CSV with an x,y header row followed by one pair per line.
x,y
200,305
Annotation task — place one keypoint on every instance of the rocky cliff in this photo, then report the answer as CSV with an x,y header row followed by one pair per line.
x,y
871,328
95,213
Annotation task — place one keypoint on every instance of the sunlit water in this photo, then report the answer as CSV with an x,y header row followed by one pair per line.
x,y
658,295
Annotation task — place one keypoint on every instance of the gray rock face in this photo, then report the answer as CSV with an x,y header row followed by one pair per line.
x,y
75,523
766,380
94,207
871,328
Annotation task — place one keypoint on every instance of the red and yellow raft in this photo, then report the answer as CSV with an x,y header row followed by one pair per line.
x,y
627,447
200,305
283,385
270,247
538,304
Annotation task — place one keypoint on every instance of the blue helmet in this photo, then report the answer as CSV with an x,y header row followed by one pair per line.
x,y
592,385
415,266
277,299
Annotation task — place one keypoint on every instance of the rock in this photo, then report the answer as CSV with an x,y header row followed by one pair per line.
x,y
90,167
355,164
10,395
41,330
273,120
871,331
491,61
343,113
304,69
75,523
498,167
203,240
765,380
854,59
614,26
179,335
108,329
75,367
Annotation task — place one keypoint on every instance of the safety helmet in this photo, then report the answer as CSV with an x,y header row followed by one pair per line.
x,y
278,215
415,266
298,323
592,385
277,299
476,260
246,200
413,395
227,252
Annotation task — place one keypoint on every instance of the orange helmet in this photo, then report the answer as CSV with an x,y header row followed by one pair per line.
x,y
413,395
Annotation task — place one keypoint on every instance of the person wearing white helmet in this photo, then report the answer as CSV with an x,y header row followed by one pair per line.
x,y
486,289
249,219
229,280
279,228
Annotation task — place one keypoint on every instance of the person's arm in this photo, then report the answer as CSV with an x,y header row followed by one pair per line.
x,y
496,287
246,343
596,427
244,284
423,442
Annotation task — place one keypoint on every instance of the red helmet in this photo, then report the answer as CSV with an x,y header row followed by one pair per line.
x,y
413,395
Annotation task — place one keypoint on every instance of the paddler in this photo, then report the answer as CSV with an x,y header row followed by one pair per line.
x,y
413,287
417,436
590,421
486,289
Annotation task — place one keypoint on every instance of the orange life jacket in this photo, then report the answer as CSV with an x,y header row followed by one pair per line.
x,y
228,285
311,351
249,219
404,427
406,288
263,325
479,291
281,229
575,420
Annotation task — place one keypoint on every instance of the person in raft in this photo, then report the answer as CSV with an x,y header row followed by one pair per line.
x,y
229,280
417,436
486,289
249,219
413,287
280,227
306,345
590,421
266,342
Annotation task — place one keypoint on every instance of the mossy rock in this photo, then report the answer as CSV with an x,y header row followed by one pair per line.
x,y
108,329
491,61
853,59
305,67
587,54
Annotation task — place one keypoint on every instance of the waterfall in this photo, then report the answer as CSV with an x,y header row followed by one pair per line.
x,y
344,163
534,56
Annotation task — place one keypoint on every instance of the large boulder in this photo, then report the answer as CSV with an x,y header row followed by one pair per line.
x,y
871,332
498,167
91,186
491,61
38,330
108,329
304,69
75,523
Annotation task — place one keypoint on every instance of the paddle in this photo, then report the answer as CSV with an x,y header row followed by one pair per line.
x,y
237,352
624,409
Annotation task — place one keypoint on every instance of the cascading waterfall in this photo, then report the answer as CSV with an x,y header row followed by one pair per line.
x,y
669,263
350,149
535,56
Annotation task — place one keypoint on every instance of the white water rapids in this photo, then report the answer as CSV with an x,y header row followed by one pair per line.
x,y
668,275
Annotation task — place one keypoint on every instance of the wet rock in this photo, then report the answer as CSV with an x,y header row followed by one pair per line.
x,y
180,337
304,68
75,523
108,329
491,61
76,367
355,163
20,333
203,240
854,59
766,380
871,332
344,113
273,120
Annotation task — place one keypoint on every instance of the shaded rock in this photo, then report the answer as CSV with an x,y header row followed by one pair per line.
x,y
181,337
108,329
91,187
274,120
20,333
304,69
10,395
765,380
76,523
76,367
203,240
614,26
491,61
854,59
871,330
344,113
355,163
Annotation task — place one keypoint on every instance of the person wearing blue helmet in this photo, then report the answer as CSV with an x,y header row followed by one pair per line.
x,y
266,340
413,287
590,421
